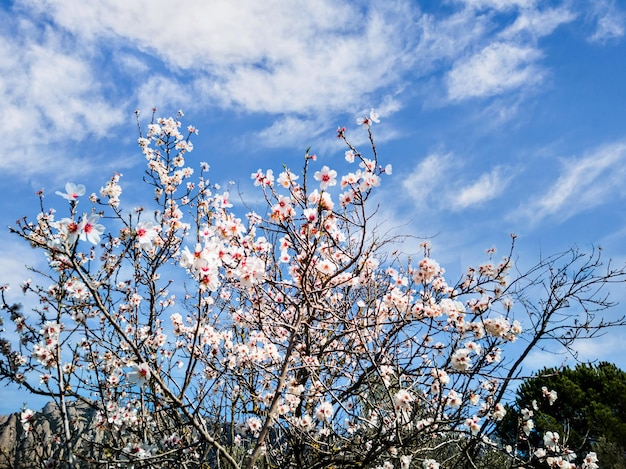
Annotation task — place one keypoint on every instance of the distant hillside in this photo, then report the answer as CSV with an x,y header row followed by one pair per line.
x,y
19,450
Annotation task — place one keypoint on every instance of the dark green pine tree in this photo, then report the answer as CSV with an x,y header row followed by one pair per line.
x,y
589,414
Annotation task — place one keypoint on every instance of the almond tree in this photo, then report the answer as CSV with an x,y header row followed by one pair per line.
x,y
292,337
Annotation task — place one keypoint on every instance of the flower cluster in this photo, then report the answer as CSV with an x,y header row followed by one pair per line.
x,y
288,330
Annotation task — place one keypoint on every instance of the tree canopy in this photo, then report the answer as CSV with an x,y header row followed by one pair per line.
x,y
292,335
589,413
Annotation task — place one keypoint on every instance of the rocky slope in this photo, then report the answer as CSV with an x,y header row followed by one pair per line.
x,y
36,449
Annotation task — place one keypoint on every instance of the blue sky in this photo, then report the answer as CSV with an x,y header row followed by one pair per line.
x,y
498,116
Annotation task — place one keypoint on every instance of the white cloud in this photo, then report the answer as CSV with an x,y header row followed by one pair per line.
x,y
499,67
500,5
131,63
427,179
289,131
585,183
487,187
610,21
538,23
272,56
299,58
443,39
48,94
165,93
438,181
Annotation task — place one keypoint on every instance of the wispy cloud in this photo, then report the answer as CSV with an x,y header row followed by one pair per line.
x,y
165,92
274,56
439,181
499,67
48,94
487,187
316,60
427,178
507,62
500,5
289,131
610,21
311,60
585,182
535,23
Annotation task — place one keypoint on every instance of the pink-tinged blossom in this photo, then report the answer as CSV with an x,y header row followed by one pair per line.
x,y
69,229
499,411
254,425
184,146
324,411
310,215
51,330
497,327
139,450
559,463
440,376
461,360
454,399
550,395
350,179
551,440
286,179
429,269
528,426
140,374
346,198
430,464
146,233
112,190
263,179
314,197
250,271
222,201
77,289
306,422
527,413
43,354
284,256
367,121
590,461
72,191
368,165
90,230
326,267
326,202
206,231
282,209
327,177
26,419
473,424
494,355
402,400
473,346
368,181
208,280
349,155
113,380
